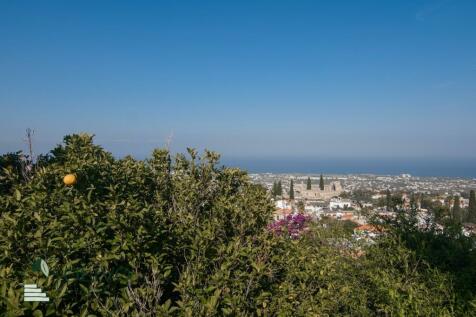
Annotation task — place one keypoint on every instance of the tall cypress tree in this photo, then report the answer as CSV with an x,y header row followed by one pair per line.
x,y
291,190
457,213
274,191
472,207
308,183
280,189
321,183
389,201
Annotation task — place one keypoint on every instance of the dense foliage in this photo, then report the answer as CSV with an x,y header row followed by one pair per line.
x,y
184,237
447,250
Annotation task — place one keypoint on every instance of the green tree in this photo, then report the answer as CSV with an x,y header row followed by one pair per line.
x,y
472,207
308,187
445,250
457,212
413,200
123,240
274,190
280,189
389,200
440,212
360,195
291,190
11,167
321,182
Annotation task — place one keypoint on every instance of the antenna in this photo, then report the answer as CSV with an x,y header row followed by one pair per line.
x,y
29,141
169,140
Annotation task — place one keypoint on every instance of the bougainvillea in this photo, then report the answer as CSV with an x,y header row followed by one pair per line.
x,y
293,225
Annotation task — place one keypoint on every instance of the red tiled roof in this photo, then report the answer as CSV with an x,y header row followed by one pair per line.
x,y
283,211
369,228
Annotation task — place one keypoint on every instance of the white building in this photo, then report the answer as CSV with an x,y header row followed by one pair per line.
x,y
339,203
282,204
464,202
313,210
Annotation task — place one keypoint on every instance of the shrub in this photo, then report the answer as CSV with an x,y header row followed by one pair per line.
x,y
124,223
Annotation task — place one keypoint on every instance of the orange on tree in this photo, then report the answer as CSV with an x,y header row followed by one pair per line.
x,y
69,179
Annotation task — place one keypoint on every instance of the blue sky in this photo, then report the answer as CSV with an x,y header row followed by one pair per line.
x,y
245,78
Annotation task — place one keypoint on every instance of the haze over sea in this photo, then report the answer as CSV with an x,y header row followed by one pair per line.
x,y
465,168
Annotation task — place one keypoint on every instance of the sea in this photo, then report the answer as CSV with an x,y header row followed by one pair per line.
x,y
423,167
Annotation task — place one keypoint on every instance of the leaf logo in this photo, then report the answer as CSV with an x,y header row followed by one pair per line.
x,y
41,266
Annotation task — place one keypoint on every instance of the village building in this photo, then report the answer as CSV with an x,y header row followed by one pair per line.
x,y
282,213
339,203
333,189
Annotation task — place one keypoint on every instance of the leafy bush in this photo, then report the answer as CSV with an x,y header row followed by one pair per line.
x,y
447,250
123,221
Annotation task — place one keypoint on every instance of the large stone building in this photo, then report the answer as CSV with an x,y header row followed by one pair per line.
x,y
332,189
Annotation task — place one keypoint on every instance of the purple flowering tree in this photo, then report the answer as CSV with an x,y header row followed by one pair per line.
x,y
293,225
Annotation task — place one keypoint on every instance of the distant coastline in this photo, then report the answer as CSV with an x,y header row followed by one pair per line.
x,y
464,168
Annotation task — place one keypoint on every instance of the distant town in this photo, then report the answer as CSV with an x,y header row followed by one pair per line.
x,y
356,197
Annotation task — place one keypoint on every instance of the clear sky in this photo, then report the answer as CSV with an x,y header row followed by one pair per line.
x,y
245,78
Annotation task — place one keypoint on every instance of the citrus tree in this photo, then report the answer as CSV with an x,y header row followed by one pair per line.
x,y
117,239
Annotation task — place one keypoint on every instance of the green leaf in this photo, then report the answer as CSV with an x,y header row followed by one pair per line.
x,y
84,311
17,195
37,313
63,290
84,289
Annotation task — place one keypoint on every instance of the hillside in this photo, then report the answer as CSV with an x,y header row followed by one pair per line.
x,y
183,236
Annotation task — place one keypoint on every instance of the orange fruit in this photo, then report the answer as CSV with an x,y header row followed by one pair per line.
x,y
69,179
